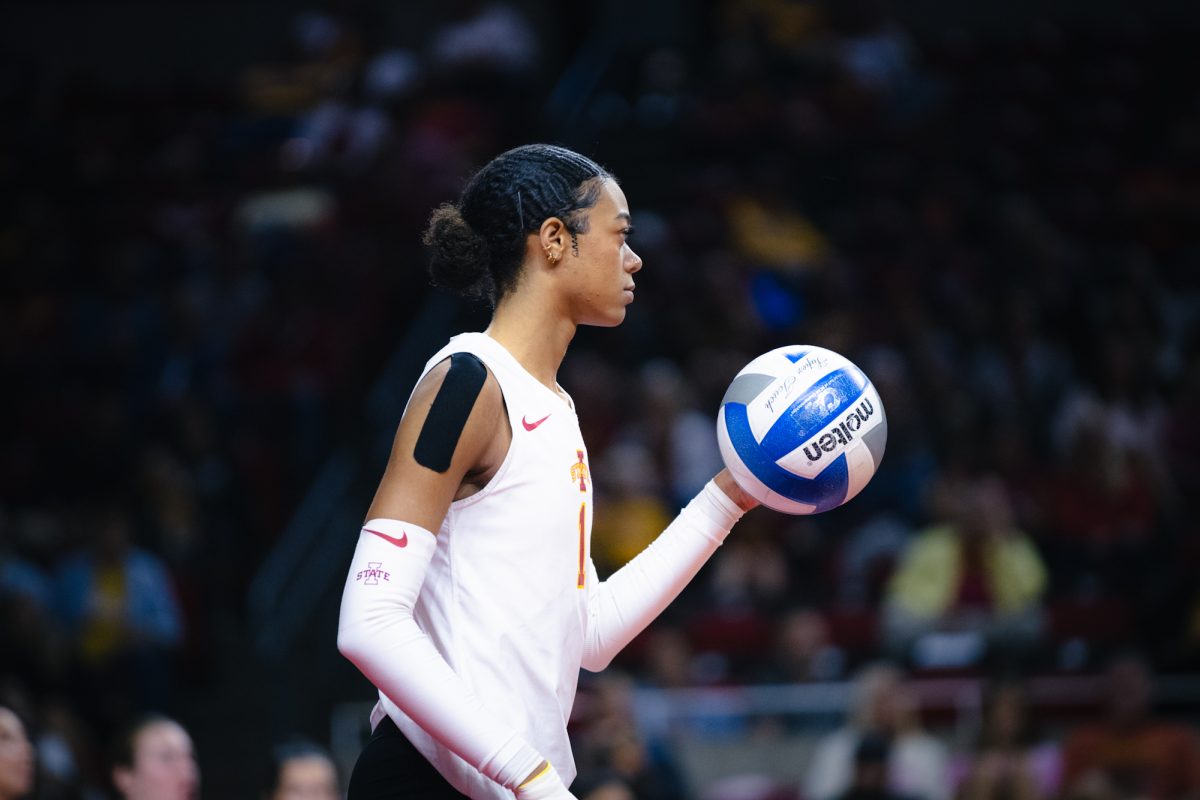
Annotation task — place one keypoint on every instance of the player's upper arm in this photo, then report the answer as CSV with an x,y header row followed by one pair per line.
x,y
432,453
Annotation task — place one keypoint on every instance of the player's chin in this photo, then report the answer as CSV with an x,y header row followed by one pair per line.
x,y
609,319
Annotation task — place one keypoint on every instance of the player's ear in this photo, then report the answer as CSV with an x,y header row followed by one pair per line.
x,y
552,238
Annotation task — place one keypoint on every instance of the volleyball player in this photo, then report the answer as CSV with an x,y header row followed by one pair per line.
x,y
472,602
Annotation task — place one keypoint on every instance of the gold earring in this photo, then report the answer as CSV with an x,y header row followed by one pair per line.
x,y
553,257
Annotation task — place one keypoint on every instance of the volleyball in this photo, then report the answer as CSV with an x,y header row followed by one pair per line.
x,y
802,429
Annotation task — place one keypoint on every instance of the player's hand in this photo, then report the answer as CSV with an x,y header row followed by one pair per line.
x,y
547,785
737,494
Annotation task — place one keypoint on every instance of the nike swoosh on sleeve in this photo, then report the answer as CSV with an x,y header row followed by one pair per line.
x,y
401,542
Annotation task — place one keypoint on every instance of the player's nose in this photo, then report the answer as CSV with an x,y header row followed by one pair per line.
x,y
633,263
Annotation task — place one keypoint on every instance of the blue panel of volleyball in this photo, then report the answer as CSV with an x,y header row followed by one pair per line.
x,y
802,429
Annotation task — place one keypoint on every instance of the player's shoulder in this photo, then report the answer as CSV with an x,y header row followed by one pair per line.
x,y
465,375
455,415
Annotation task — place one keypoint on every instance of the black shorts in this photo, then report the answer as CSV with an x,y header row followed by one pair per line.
x,y
390,768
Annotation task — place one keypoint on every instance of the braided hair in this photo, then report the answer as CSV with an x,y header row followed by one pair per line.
x,y
479,243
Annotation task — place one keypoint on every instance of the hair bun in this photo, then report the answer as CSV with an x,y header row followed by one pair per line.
x,y
460,258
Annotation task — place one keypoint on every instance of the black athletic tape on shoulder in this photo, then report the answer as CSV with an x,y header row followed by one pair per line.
x,y
448,415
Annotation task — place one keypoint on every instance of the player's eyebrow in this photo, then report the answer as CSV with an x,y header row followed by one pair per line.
x,y
624,215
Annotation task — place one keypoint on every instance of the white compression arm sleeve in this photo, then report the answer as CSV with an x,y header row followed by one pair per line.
x,y
377,632
622,606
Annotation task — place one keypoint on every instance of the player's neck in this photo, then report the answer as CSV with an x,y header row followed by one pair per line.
x,y
535,334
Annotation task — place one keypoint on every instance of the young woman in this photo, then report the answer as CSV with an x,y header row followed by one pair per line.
x,y
1008,761
301,770
154,760
471,601
16,756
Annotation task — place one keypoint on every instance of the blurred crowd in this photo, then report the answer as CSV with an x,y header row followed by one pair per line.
x,y
200,282
1002,231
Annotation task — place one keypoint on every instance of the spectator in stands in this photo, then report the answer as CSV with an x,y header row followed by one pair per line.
x,y
752,573
633,512
22,579
301,770
803,651
118,602
1131,753
1008,760
870,781
1101,508
154,760
30,643
670,658
882,706
487,38
64,752
973,572
602,785
16,757
608,742
676,432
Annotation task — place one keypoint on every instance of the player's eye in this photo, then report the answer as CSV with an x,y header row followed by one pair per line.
x,y
627,231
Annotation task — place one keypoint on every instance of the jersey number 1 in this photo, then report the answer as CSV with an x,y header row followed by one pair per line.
x,y
582,574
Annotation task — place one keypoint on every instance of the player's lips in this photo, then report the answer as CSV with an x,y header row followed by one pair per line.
x,y
629,290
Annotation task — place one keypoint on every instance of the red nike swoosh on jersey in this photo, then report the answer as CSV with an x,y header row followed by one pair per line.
x,y
401,542
531,425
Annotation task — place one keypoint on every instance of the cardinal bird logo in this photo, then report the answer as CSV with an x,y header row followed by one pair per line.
x,y
579,471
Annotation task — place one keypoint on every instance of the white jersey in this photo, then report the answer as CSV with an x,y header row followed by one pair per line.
x,y
505,600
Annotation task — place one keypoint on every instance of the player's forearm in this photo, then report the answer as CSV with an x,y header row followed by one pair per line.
x,y
626,603
377,632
